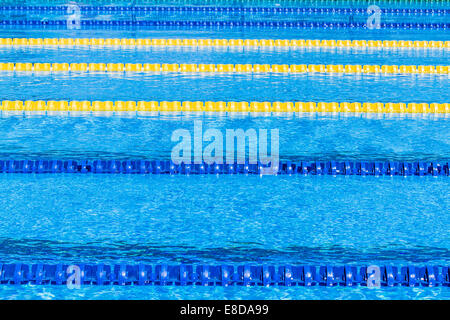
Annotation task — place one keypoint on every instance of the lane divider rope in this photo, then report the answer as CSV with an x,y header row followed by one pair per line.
x,y
426,5
229,24
223,107
224,275
214,9
360,168
223,68
255,43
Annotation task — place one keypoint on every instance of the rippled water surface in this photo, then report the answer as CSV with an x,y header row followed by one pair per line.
x,y
235,55
300,138
221,293
226,87
224,219
234,219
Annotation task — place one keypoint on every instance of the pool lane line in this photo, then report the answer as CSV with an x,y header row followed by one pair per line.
x,y
427,275
89,9
242,107
9,67
183,24
127,43
167,167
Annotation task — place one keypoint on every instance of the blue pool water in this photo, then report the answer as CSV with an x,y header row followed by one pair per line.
x,y
149,137
220,220
156,219
228,55
209,219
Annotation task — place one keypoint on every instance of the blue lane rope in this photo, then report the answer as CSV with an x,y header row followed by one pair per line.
x,y
225,275
361,168
201,9
277,24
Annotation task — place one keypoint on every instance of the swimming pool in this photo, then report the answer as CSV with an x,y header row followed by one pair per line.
x,y
86,152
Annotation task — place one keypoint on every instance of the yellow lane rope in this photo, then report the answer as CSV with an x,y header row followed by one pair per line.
x,y
294,43
224,107
217,68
